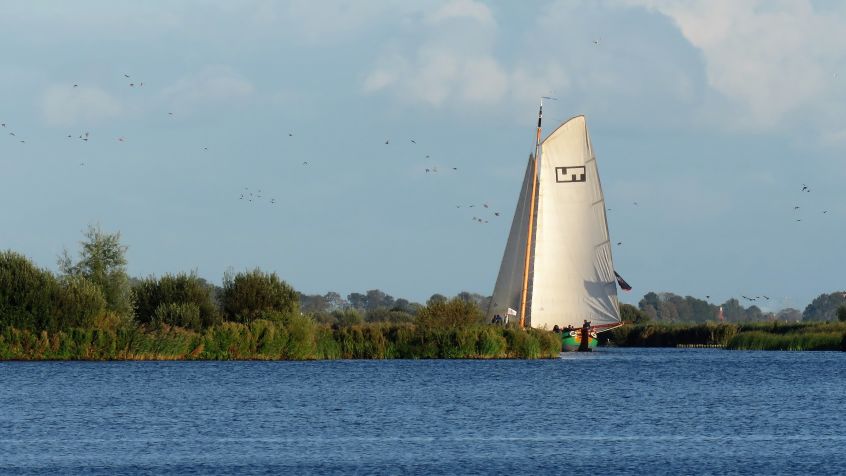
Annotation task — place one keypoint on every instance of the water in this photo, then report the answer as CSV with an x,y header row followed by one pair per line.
x,y
616,411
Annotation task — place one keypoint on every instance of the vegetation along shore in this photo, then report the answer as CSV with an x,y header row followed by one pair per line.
x,y
92,310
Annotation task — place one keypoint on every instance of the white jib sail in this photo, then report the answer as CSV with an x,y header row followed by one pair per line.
x,y
573,274
509,282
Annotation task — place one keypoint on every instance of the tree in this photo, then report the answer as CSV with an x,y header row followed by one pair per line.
x,y
841,313
174,298
633,315
789,314
754,314
27,294
436,298
649,299
440,313
733,311
357,300
313,303
102,260
377,299
824,307
334,301
79,302
250,295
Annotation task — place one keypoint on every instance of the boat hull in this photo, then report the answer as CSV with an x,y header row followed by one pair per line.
x,y
571,343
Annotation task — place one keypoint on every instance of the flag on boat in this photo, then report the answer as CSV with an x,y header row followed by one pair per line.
x,y
511,312
622,282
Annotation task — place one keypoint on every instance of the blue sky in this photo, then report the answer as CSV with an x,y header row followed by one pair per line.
x,y
711,115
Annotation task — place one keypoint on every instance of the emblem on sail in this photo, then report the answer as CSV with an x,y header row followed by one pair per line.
x,y
570,174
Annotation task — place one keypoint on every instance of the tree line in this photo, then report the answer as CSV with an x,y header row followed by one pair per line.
x,y
93,290
672,308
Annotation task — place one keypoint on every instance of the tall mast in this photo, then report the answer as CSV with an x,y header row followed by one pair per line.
x,y
525,292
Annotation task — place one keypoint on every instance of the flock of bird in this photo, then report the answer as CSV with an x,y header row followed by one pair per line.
x,y
797,208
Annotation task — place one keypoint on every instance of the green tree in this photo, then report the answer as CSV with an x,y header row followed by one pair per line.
x,y
27,294
173,291
377,299
733,311
452,313
79,302
102,260
841,313
357,300
247,296
789,314
633,315
436,298
824,307
348,317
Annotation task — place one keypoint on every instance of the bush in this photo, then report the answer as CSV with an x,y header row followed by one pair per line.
x,y
180,314
151,294
247,295
456,312
79,302
27,294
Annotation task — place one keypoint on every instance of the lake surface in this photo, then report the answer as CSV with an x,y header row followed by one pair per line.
x,y
615,411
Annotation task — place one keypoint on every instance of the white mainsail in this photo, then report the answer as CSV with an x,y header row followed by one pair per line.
x,y
571,274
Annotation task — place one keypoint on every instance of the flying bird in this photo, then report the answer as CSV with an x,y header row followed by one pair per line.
x,y
413,141
387,141
496,214
125,75
804,187
619,243
76,85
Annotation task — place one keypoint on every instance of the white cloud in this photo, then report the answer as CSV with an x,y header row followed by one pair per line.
x,y
211,86
462,9
453,61
770,59
64,105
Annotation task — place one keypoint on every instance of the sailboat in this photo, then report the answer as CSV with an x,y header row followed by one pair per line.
x,y
557,272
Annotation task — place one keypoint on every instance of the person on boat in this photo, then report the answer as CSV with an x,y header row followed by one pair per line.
x,y
556,329
584,344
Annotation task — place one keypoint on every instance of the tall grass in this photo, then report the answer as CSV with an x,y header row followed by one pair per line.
x,y
758,340
294,338
744,336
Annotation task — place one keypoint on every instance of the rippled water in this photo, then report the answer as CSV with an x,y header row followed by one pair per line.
x,y
650,411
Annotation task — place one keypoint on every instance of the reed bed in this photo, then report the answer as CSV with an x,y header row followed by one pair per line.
x,y
295,339
743,336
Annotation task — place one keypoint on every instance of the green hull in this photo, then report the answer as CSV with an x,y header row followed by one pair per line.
x,y
571,343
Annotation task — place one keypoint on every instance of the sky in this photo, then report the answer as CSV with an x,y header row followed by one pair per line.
x,y
710,114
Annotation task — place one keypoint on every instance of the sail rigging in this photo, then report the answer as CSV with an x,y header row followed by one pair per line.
x,y
567,273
